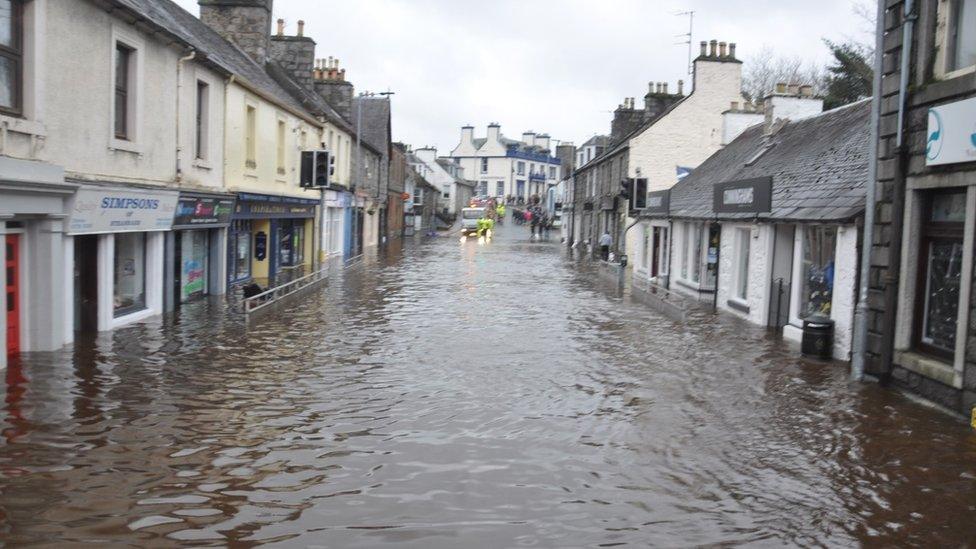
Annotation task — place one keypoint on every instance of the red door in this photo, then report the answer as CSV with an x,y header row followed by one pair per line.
x,y
12,289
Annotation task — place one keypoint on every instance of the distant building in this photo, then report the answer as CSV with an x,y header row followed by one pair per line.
x,y
503,167
448,176
590,149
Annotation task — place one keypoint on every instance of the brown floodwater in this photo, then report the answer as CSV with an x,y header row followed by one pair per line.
x,y
455,394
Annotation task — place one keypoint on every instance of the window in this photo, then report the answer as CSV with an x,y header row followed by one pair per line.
x,y
940,272
239,251
520,168
691,254
280,142
552,172
123,70
194,260
961,39
484,165
250,135
130,273
482,188
500,188
291,243
817,271
742,242
418,196
11,56
203,114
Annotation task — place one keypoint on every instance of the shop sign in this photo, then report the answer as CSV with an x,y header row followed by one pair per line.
x,y
658,202
335,199
951,136
746,196
114,210
260,206
200,211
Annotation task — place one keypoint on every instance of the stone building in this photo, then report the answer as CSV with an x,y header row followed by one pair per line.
x,y
920,322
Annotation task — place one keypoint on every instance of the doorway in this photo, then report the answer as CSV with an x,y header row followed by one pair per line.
x,y
12,290
86,283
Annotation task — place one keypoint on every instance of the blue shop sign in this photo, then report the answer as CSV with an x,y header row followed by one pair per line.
x,y
263,206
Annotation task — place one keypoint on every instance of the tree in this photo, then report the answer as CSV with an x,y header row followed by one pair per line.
x,y
765,69
849,77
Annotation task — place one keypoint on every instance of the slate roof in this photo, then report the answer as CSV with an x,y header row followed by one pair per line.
x,y
818,165
596,141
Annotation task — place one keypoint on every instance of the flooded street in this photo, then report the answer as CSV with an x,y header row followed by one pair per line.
x,y
464,395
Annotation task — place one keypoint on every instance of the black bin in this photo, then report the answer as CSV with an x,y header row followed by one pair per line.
x,y
818,337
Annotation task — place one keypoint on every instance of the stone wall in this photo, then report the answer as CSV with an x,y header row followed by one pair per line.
x,y
246,23
338,94
296,54
886,273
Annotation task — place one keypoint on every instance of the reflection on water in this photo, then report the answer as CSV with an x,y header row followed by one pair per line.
x,y
468,395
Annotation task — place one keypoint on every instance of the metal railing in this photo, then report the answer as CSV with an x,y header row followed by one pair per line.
x,y
271,296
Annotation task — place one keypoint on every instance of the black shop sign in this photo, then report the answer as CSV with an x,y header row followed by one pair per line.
x,y
658,202
745,196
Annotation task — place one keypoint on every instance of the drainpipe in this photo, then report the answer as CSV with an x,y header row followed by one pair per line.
x,y
897,201
859,358
179,94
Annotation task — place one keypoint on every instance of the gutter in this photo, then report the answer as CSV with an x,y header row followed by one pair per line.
x,y
179,94
860,343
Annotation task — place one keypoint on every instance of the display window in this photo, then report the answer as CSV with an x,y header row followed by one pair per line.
x,y
195,254
817,271
940,258
239,251
130,273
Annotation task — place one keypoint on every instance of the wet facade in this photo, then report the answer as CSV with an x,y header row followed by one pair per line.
x,y
575,417
921,322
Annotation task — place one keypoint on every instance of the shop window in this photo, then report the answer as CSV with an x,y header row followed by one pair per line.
x,y
291,243
239,249
130,273
11,56
940,271
817,271
195,255
691,253
742,242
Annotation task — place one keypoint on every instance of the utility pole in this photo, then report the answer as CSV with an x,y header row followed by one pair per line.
x,y
691,30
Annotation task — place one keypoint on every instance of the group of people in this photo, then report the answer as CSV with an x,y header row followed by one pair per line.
x,y
537,218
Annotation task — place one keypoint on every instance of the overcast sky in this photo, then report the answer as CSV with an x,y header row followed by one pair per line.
x,y
553,66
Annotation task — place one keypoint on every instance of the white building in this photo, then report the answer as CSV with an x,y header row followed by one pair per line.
x,y
503,167
767,228
590,149
448,176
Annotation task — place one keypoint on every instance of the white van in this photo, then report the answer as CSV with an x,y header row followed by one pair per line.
x,y
469,219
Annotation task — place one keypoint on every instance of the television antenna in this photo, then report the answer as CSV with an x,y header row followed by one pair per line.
x,y
687,37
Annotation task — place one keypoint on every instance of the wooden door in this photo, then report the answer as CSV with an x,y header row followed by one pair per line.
x,y
12,290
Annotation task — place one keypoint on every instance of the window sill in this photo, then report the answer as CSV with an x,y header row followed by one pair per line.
x,y
280,181
202,164
689,284
737,304
22,125
932,368
116,144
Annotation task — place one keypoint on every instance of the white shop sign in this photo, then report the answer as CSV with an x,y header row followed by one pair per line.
x,y
951,136
118,210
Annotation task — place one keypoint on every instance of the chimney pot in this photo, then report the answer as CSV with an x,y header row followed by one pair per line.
x,y
735,105
806,90
721,47
794,89
650,87
781,87
732,50
704,48
301,28
281,27
681,87
712,47
664,88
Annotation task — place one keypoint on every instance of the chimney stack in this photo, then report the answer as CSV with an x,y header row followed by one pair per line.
x,y
781,87
330,83
295,54
712,46
806,90
246,23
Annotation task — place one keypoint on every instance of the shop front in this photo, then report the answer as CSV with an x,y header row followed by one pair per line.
x,y
116,254
270,239
33,200
337,205
195,247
